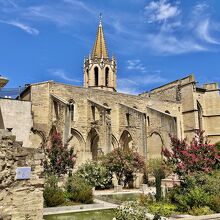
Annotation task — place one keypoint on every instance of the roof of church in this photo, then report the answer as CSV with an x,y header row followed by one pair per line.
x,y
99,48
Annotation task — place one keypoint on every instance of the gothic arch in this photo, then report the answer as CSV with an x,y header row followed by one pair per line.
x,y
92,142
126,140
155,144
77,142
114,142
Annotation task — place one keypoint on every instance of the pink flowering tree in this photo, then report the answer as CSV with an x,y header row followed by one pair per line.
x,y
197,156
125,163
59,159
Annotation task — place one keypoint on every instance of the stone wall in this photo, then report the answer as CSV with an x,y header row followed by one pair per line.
x,y
200,106
16,114
101,119
20,199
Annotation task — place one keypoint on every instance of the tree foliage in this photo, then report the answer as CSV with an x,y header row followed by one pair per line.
x,y
59,159
197,156
125,163
159,170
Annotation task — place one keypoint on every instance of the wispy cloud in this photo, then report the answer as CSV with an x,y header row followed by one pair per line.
x,y
62,75
173,34
136,65
169,44
133,84
24,27
63,13
160,11
203,31
8,3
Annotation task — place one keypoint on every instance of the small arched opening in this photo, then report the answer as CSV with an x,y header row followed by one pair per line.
x,y
96,73
106,76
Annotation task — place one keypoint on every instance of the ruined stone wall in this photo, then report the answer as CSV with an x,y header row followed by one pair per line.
x,y
19,199
209,100
40,106
16,114
111,112
160,125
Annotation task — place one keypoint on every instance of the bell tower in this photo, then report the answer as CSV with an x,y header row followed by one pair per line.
x,y
99,69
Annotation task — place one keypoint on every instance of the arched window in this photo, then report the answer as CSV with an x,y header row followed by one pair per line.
x,y
87,72
106,76
96,72
71,109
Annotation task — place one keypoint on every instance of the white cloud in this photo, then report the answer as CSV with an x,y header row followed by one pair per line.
x,y
63,13
136,65
63,75
8,3
161,10
28,29
191,33
130,84
203,31
170,44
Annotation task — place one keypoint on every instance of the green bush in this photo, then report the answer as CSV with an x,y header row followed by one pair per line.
x,y
162,209
215,204
208,182
53,195
95,174
197,197
131,211
218,145
205,210
185,199
78,190
145,200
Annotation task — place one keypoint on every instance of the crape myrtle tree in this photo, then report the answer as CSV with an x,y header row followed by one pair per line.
x,y
197,156
125,163
59,158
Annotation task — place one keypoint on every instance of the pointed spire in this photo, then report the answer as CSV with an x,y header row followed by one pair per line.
x,y
100,49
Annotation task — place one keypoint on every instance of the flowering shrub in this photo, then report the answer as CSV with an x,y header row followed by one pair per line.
x,y
125,164
131,211
95,174
58,158
199,155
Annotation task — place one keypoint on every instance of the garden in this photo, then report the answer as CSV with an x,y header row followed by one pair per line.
x,y
196,164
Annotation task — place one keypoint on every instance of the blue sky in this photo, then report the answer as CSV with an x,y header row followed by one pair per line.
x,y
154,41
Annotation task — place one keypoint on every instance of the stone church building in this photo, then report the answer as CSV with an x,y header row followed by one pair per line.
x,y
95,118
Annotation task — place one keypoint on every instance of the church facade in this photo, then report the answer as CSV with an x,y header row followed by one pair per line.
x,y
95,118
